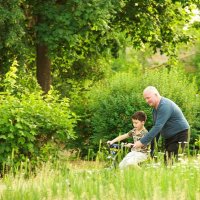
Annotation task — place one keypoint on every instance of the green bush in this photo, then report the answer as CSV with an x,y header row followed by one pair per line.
x,y
196,63
32,125
174,84
112,102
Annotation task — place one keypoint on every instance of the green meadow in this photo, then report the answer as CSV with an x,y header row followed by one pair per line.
x,y
91,180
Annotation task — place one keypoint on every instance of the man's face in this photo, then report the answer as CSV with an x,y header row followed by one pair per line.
x,y
137,124
151,98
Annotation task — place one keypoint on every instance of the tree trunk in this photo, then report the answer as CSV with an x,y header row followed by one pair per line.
x,y
43,64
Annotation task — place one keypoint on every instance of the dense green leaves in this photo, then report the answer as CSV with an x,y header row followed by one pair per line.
x,y
32,125
76,29
12,33
113,102
29,122
159,23
72,24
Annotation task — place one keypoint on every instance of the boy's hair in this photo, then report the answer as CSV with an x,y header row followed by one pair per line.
x,y
140,115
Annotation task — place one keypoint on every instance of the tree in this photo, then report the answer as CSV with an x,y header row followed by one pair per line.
x,y
76,29
11,34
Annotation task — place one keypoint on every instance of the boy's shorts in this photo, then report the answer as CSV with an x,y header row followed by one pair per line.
x,y
132,158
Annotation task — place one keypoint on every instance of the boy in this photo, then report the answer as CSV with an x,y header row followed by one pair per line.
x,y
136,155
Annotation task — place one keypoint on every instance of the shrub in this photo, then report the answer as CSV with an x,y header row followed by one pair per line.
x,y
174,84
112,102
32,125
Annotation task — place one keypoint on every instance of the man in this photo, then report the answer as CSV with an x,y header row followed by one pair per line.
x,y
169,121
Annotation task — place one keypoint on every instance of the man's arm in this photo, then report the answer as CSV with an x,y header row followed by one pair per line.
x,y
163,114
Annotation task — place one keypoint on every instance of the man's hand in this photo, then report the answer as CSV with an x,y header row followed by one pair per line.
x,y
129,145
137,144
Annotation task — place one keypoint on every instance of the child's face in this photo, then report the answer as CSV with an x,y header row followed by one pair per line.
x,y
137,124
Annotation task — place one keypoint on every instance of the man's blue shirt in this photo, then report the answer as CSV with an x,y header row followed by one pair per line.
x,y
168,120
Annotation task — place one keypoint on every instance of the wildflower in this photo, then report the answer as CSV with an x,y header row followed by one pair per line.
x,y
67,182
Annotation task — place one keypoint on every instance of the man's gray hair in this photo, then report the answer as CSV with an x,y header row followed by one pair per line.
x,y
151,89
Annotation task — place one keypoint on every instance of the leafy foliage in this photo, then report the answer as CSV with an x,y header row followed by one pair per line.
x,y
170,83
32,125
174,84
74,30
113,102
158,23
196,64
12,33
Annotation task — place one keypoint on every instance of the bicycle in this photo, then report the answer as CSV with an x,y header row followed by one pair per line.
x,y
116,153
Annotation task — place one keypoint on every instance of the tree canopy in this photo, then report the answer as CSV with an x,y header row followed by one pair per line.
x,y
47,33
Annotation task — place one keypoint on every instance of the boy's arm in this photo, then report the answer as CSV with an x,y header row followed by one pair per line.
x,y
118,139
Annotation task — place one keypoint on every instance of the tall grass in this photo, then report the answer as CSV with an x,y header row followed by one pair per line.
x,y
89,180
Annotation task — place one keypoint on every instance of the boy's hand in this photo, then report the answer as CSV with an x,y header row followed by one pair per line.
x,y
109,142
